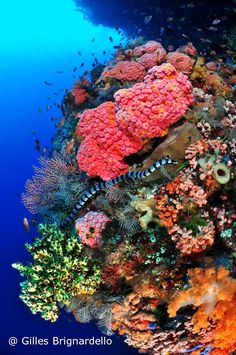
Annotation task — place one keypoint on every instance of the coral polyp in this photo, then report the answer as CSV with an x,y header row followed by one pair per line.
x,y
138,208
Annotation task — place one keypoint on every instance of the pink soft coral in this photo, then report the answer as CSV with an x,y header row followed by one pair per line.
x,y
90,227
181,62
124,71
150,54
147,109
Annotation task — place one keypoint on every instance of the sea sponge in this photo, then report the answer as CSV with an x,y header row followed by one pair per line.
x,y
146,207
221,173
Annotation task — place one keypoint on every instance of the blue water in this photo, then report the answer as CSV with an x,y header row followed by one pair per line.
x,y
37,39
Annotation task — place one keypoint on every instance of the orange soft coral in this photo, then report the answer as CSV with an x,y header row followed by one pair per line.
x,y
213,291
188,243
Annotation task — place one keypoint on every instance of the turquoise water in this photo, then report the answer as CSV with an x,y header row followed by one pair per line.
x,y
37,39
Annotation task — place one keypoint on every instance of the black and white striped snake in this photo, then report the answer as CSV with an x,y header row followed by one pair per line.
x,y
133,175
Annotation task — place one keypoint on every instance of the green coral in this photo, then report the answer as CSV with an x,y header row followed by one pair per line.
x,y
59,271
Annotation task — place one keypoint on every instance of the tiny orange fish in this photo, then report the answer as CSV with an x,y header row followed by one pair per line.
x,y
70,146
62,121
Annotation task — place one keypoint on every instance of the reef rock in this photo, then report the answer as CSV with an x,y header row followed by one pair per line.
x,y
174,145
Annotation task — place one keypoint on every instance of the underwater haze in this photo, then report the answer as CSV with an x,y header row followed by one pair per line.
x,y
118,179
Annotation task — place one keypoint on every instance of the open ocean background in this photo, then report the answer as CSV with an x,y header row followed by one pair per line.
x,y
37,39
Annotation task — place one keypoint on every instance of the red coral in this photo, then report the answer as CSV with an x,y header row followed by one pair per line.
x,y
149,108
144,111
125,71
181,62
105,145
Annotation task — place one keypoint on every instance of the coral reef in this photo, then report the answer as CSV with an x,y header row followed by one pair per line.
x,y
151,255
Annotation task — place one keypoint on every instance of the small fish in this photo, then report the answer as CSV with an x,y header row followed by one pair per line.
x,y
37,144
93,40
79,52
33,132
81,65
104,52
48,107
170,48
111,39
190,5
205,40
40,110
47,83
162,30
74,69
70,146
216,21
169,19
212,28
184,35
33,221
59,72
147,19
191,349
26,225
44,151
116,47
62,122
